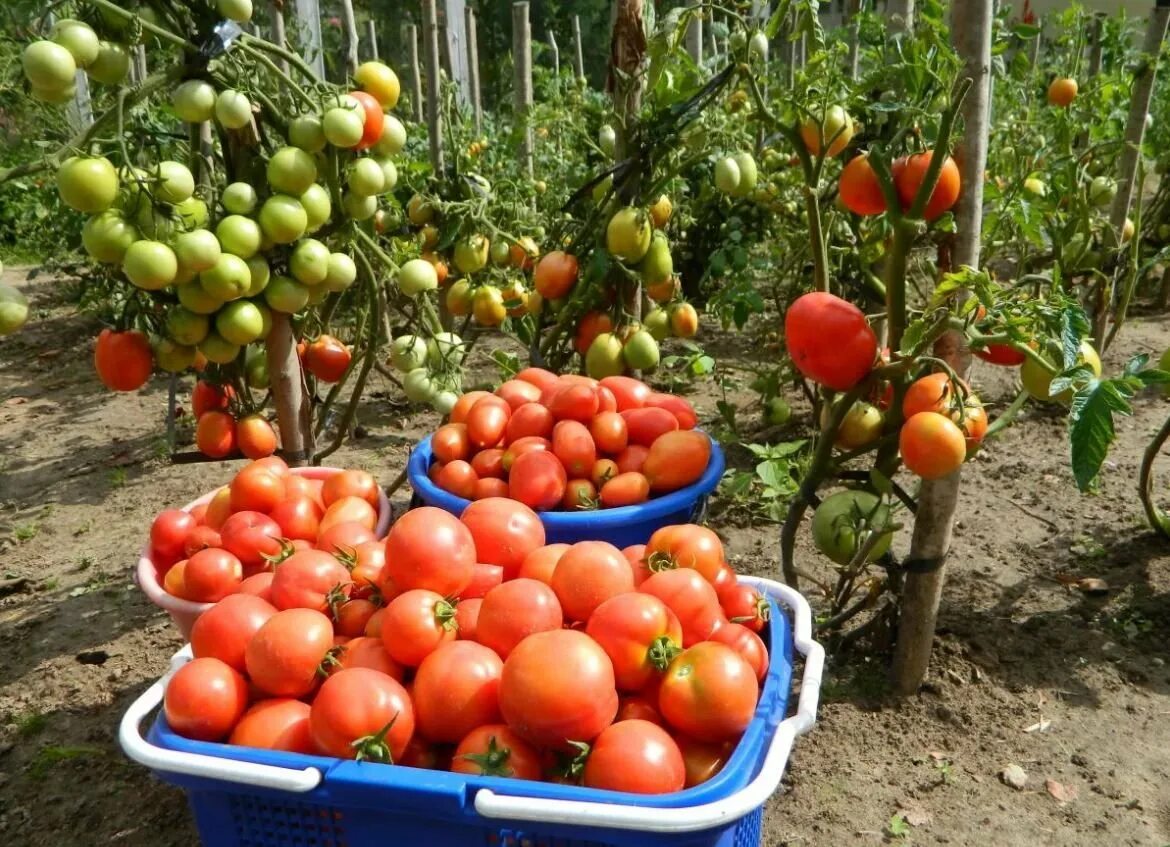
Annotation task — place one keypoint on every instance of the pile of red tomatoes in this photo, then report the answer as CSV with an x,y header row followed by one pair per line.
x,y
569,442
468,644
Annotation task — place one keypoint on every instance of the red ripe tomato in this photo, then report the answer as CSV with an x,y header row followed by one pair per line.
x,y
433,472
531,419
628,392
627,489
450,442
609,432
588,574
302,486
463,405
350,483
528,444
374,625
747,644
168,533
489,463
484,578
537,479
574,402
859,189
635,707
200,538
709,693
555,274
420,754
123,360
635,756
252,537
1001,354
909,173
352,616
539,377
255,436
702,759
310,579
327,358
495,750
606,469
574,446
415,623
680,407
645,425
211,574
580,495
215,434
639,634
686,546
458,478
456,689
256,488
632,459
208,397
931,393
517,393
829,340
362,714
429,548
636,555
691,598
205,699
349,510
257,585
173,582
369,557
742,604
342,539
606,402
514,610
365,651
298,517
219,509
591,326
375,118
487,421
676,460
224,630
280,723
558,687
932,445
541,562
467,618
504,532
486,487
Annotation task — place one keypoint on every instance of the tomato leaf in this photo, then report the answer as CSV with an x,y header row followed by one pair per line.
x,y
1074,326
1092,430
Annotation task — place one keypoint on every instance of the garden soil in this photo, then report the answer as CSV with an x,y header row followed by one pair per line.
x,y
1067,691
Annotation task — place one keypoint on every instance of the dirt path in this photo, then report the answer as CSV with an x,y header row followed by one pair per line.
x,y
82,473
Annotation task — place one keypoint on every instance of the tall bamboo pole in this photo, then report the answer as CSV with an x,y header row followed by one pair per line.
x,y
349,47
372,37
695,36
522,61
416,89
578,50
473,66
434,94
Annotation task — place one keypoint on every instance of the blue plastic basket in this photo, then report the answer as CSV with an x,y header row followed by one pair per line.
x,y
621,527
242,797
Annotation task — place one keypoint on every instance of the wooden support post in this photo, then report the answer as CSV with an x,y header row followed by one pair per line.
x,y
372,38
416,89
309,17
712,46
522,61
695,36
473,66
556,54
434,94
901,15
578,50
349,33
140,69
276,14
854,37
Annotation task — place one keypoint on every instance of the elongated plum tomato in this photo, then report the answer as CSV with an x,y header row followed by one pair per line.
x,y
558,687
676,460
1001,354
504,532
537,479
829,340
487,421
635,756
429,548
360,713
205,699
456,689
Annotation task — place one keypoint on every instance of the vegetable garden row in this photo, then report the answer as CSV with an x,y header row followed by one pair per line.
x,y
871,206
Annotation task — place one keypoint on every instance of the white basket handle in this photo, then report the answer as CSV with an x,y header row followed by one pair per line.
x,y
489,804
193,764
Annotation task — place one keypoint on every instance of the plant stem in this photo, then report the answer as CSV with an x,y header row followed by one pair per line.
x,y
1157,518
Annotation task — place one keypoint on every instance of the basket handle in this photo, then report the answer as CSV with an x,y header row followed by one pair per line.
x,y
489,804
193,764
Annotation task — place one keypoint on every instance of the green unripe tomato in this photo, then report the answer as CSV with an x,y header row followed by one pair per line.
x,y
239,198
341,272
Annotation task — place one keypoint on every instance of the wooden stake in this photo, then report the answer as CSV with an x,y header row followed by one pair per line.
x,y
140,62
309,15
278,37
473,66
289,393
695,36
416,89
712,47
578,51
372,37
522,60
434,94
350,36
854,37
938,499
900,14
556,54
1094,69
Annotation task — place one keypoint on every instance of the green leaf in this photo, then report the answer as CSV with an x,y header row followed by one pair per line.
x,y
1092,428
913,335
1022,30
1074,326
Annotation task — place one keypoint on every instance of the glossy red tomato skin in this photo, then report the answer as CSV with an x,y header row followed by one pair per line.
x,y
211,575
504,532
539,377
541,562
351,616
743,604
205,699
350,483
909,172
251,537
687,546
632,459
200,538
495,750
639,634
429,548
257,488
342,539
574,402
123,360
531,419
298,517
456,689
691,598
829,340
636,555
588,574
169,531
257,585
458,478
680,407
327,359
486,487
515,610
415,624
709,693
358,703
224,630
702,759
307,579
375,119
1001,354
467,619
573,445
517,393
450,442
484,578
639,707
487,421
537,479
629,393
646,424
365,651
285,654
489,463
635,756
207,397
280,723
558,687
747,644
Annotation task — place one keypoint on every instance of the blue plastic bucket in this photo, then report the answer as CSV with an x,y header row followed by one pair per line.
x,y
621,527
364,804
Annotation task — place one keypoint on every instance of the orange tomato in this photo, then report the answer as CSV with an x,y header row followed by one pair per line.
x,y
932,445
626,489
215,434
910,171
555,274
859,187
677,459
